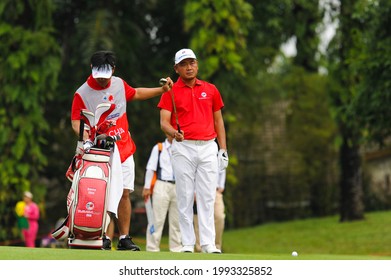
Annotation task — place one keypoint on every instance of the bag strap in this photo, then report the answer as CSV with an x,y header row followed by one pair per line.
x,y
155,174
160,148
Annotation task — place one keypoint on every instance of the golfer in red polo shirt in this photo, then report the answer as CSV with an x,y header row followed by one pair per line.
x,y
191,113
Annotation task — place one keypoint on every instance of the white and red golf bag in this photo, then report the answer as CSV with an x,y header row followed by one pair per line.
x,y
90,174
86,201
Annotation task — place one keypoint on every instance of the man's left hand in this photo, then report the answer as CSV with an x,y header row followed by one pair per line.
x,y
223,159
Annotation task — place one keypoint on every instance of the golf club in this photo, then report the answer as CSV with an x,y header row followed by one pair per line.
x,y
81,130
162,82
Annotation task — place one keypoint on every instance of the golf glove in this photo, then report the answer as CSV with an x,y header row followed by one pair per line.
x,y
222,157
87,145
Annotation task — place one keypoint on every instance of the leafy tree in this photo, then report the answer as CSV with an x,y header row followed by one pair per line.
x,y
268,31
372,106
218,33
312,134
309,123
306,18
279,125
372,100
29,67
346,78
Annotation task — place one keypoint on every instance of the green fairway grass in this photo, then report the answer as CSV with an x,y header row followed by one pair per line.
x,y
313,239
325,236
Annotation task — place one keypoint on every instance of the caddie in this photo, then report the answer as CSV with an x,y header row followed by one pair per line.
x,y
101,86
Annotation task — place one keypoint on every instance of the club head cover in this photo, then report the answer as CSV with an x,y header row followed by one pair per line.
x,y
88,117
102,111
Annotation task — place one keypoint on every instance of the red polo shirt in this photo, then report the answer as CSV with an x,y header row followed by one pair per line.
x,y
195,107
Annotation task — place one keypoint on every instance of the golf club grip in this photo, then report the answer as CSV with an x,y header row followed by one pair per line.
x,y
81,130
179,128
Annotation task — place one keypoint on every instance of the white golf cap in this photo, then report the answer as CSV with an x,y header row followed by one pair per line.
x,y
104,71
183,54
28,194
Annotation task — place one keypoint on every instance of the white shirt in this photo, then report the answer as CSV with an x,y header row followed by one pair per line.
x,y
165,165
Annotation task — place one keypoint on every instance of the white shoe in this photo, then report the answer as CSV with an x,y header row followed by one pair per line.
x,y
210,249
176,249
187,249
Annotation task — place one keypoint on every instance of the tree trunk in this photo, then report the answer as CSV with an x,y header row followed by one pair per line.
x,y
351,200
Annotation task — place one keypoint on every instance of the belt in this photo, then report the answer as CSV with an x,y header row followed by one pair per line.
x,y
199,142
168,181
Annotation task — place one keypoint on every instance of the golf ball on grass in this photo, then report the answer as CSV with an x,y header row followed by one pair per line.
x,y
294,254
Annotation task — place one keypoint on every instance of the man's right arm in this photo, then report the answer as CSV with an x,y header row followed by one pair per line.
x,y
77,106
165,124
75,128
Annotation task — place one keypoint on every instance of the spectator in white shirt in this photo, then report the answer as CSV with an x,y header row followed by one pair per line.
x,y
164,198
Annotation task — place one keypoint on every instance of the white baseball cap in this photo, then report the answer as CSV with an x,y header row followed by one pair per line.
x,y
183,54
104,71
28,194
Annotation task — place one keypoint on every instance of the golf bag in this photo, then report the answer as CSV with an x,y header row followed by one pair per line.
x,y
90,174
87,203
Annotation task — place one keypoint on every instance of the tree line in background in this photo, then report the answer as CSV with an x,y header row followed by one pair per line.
x,y
296,126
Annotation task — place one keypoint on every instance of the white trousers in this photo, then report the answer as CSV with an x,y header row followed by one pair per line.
x,y
219,223
164,201
195,168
